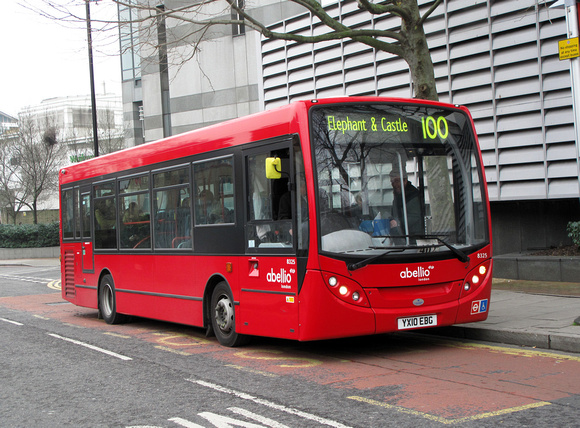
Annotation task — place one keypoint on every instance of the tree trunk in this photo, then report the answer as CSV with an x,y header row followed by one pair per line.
x,y
416,53
34,212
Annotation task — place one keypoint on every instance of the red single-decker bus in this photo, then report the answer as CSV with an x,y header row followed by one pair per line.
x,y
320,219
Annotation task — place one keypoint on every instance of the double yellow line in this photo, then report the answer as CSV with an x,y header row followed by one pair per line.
x,y
55,285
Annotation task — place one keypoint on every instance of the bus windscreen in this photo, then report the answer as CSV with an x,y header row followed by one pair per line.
x,y
404,178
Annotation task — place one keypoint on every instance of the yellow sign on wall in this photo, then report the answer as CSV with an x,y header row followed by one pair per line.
x,y
568,48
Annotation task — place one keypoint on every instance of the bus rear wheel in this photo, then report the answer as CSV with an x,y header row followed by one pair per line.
x,y
223,319
108,301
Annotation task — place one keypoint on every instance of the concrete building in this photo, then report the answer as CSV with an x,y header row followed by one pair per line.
x,y
173,90
499,58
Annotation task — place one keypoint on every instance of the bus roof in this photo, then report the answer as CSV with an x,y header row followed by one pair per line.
x,y
282,120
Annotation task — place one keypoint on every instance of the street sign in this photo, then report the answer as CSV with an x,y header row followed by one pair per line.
x,y
568,48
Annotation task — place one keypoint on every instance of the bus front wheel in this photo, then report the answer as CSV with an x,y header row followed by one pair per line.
x,y
108,301
223,318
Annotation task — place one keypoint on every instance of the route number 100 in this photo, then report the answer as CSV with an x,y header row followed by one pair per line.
x,y
433,128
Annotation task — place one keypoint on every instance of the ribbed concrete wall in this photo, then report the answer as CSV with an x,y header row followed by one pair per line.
x,y
29,253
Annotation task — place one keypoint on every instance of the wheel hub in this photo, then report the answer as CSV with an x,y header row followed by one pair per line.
x,y
224,314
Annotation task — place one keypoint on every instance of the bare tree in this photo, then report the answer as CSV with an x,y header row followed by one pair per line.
x,y
36,156
110,137
193,21
12,194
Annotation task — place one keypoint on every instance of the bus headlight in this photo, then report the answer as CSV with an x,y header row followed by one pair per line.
x,y
475,278
345,289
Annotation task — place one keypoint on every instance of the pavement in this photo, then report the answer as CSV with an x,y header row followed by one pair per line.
x,y
538,314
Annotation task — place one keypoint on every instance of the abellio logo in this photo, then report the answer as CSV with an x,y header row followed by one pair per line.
x,y
283,277
420,274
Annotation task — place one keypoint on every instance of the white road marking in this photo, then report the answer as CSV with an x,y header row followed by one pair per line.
x,y
220,421
269,404
94,348
185,423
258,418
27,279
10,321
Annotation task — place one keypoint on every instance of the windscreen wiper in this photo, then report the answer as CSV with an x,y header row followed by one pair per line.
x,y
363,263
460,255
457,252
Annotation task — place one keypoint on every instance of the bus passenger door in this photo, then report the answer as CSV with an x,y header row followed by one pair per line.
x,y
269,297
269,289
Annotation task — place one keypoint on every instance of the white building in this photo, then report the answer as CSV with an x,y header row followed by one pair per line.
x,y
72,117
7,122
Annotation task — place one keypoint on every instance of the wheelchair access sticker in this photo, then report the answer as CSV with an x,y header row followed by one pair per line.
x,y
478,306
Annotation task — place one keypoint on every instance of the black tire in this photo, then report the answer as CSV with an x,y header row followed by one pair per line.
x,y
223,318
108,301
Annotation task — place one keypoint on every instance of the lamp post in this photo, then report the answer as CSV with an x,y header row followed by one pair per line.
x,y
92,81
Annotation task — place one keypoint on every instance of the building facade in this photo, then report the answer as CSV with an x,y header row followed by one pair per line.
x,y
196,78
499,58
7,122
72,118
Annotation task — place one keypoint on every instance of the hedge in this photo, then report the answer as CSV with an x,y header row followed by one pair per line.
x,y
574,232
29,235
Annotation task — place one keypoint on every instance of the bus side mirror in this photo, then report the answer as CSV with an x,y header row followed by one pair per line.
x,y
273,166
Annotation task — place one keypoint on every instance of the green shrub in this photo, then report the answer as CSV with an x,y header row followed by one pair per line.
x,y
574,232
29,235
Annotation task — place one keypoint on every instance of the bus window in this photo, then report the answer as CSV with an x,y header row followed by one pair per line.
x,y
67,213
105,204
105,222
172,215
269,203
134,227
214,190
76,210
85,215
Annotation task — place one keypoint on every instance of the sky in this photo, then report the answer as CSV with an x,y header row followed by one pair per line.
x,y
43,58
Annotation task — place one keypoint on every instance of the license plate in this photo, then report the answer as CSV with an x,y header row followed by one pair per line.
x,y
417,322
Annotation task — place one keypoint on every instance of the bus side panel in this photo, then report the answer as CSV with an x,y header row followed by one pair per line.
x,y
323,316
268,297
158,287
72,276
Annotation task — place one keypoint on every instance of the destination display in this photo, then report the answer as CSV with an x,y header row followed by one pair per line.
x,y
431,127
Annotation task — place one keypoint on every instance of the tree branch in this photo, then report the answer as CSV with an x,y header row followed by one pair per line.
x,y
380,9
429,12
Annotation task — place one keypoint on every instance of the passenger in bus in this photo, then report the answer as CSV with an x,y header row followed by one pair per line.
x,y
413,206
133,214
358,210
206,209
105,214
